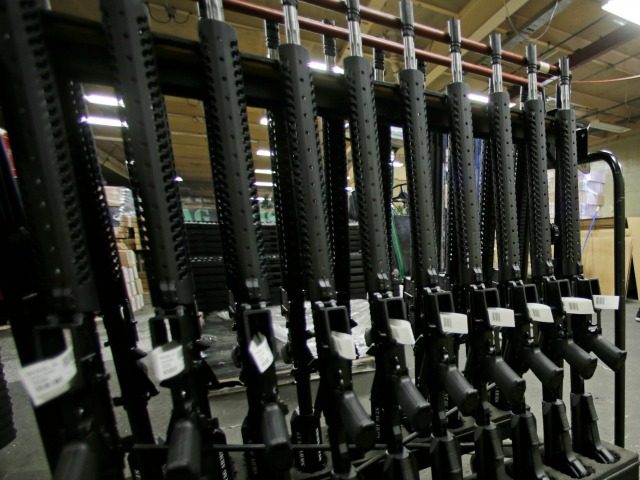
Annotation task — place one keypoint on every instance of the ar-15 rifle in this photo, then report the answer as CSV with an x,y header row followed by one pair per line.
x,y
239,217
47,274
345,416
431,307
555,338
481,303
147,142
520,344
393,393
586,332
305,420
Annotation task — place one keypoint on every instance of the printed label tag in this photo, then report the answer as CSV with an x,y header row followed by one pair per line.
x,y
606,302
577,306
343,345
48,379
501,317
539,312
402,332
260,352
451,322
167,361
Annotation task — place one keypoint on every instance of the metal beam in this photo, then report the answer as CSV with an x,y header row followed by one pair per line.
x,y
485,28
539,20
604,44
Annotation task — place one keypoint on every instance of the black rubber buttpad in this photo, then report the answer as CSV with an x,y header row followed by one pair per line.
x,y
360,429
276,438
184,454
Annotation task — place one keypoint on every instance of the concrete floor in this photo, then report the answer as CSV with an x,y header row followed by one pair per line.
x,y
25,460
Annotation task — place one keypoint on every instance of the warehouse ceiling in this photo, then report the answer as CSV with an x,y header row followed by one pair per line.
x,y
602,45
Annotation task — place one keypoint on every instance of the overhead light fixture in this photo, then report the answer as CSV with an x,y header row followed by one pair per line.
x,y
477,98
625,9
264,184
264,121
260,199
104,121
397,164
323,66
107,100
179,179
264,171
349,189
263,152
608,127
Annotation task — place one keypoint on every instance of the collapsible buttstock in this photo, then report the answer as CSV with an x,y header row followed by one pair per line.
x,y
184,453
460,390
612,356
76,462
360,429
276,437
547,372
584,363
413,404
508,381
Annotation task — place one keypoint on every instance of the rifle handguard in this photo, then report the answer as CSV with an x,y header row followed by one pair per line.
x,y
360,429
276,438
464,396
584,363
183,455
508,381
612,356
76,462
413,404
549,374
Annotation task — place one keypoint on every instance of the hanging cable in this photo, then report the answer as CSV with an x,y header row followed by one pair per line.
x,y
608,80
524,36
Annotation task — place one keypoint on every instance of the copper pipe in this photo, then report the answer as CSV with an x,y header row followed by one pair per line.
x,y
316,26
431,33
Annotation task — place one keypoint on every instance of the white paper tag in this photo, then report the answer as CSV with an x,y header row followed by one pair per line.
x,y
606,302
260,352
539,312
401,331
167,361
577,306
343,345
451,322
501,317
50,378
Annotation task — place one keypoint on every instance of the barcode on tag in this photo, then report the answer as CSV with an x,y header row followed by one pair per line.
x,y
577,306
539,312
167,361
401,331
501,317
50,378
606,302
451,322
343,345
260,352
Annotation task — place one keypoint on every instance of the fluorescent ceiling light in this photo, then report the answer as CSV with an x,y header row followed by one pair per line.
x,y
397,164
179,179
264,121
323,66
477,98
264,171
608,127
349,189
263,152
260,199
625,9
264,184
103,121
108,100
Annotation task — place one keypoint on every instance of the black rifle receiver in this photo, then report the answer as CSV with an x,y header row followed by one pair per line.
x,y
484,363
555,339
586,331
393,394
345,416
47,272
239,217
436,364
151,165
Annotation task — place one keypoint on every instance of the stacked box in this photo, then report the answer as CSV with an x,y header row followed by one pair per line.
x,y
131,277
591,192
